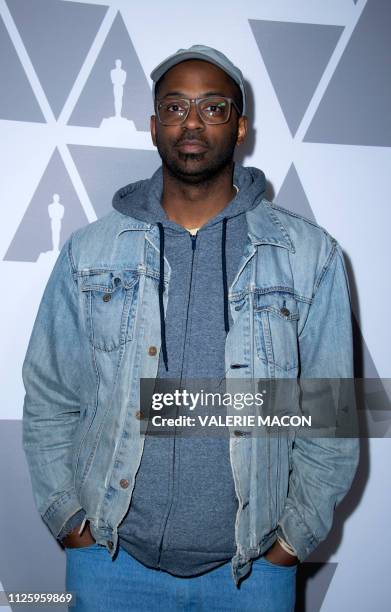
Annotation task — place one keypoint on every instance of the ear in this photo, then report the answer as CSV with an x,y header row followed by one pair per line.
x,y
153,129
242,130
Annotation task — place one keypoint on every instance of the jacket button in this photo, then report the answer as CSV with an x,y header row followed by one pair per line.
x,y
124,482
285,311
110,544
152,351
107,297
139,415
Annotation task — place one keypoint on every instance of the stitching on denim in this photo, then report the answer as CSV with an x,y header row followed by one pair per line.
x,y
283,230
240,295
297,215
291,317
341,256
84,475
103,269
326,266
139,270
51,510
313,538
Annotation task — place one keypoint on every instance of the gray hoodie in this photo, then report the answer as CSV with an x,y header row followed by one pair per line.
x,y
181,518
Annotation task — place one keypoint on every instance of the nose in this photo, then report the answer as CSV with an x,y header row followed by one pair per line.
x,y
193,120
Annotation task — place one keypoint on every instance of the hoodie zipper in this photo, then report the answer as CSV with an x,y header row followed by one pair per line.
x,y
193,248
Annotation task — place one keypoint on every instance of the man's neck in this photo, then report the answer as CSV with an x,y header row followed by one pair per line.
x,y
193,205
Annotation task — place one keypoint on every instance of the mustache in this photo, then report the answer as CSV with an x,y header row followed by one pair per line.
x,y
189,137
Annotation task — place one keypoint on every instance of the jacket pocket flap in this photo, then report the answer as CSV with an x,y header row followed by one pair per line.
x,y
108,280
279,303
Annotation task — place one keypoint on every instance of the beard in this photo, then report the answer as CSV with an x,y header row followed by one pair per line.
x,y
196,168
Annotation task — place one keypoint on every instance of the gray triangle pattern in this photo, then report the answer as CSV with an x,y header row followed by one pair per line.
x,y
61,48
31,561
374,413
106,169
33,238
355,109
295,56
17,99
313,582
374,407
96,101
292,195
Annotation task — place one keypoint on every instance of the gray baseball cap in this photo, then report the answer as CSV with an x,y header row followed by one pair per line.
x,y
201,52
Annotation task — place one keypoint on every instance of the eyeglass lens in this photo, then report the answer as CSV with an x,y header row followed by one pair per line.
x,y
212,110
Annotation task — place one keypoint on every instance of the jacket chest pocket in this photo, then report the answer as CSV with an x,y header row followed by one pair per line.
x,y
110,304
275,319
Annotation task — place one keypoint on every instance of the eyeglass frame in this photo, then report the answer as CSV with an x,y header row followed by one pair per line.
x,y
196,101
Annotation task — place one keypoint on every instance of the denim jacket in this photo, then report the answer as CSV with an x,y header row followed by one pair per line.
x,y
97,332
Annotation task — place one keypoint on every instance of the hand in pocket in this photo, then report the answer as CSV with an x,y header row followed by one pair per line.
x,y
74,540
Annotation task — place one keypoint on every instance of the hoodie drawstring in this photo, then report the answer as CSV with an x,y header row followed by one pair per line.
x,y
161,290
224,267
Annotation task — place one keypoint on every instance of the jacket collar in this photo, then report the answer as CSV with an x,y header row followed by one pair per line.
x,y
264,226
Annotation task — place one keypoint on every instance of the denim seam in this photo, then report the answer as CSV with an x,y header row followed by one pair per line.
x,y
295,512
326,266
56,504
323,273
297,216
282,229
236,297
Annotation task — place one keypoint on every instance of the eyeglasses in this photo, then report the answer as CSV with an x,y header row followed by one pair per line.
x,y
212,110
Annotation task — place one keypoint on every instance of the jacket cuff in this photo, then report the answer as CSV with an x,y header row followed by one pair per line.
x,y
296,534
60,511
73,522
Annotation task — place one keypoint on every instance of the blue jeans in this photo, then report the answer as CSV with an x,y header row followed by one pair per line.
x,y
102,584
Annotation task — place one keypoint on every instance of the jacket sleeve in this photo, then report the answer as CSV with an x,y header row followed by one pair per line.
x,y
51,408
322,468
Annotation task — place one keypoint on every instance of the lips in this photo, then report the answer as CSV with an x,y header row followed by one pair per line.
x,y
191,146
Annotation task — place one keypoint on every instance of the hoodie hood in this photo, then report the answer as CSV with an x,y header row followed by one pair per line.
x,y
142,200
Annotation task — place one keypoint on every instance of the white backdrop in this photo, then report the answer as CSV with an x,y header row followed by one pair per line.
x,y
319,85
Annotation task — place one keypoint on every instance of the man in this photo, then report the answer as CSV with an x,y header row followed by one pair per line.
x,y
193,275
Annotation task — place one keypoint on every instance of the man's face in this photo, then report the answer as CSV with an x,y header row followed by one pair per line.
x,y
195,151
